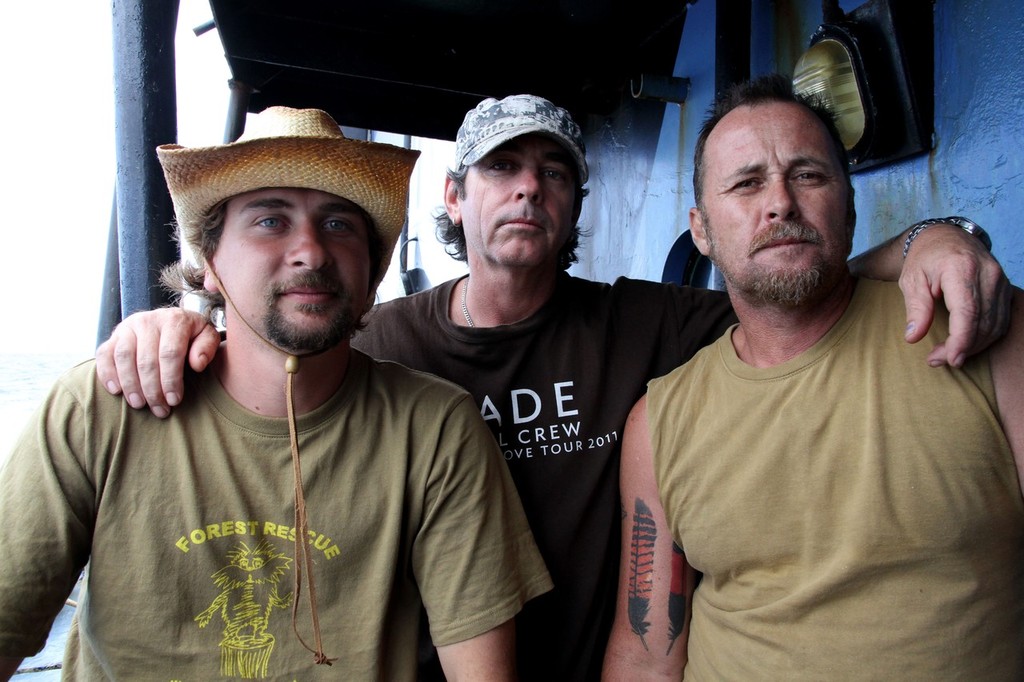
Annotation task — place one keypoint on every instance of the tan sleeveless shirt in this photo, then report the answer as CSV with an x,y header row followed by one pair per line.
x,y
856,513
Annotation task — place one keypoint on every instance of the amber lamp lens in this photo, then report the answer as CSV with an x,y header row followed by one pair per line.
x,y
826,71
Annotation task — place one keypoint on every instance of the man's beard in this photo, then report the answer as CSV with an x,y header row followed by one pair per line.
x,y
330,333
787,288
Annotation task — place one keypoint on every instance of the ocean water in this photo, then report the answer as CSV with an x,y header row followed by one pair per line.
x,y
25,379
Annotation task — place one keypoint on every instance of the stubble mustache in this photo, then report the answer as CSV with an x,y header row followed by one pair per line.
x,y
312,279
786,229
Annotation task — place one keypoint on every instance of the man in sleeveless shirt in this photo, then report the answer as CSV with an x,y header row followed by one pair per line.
x,y
554,362
853,513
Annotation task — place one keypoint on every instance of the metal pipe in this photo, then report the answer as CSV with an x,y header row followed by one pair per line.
x,y
145,116
661,88
238,105
204,27
110,296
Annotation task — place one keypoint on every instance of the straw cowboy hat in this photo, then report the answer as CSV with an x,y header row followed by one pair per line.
x,y
296,148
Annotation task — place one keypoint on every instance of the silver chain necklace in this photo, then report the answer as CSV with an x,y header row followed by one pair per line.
x,y
465,309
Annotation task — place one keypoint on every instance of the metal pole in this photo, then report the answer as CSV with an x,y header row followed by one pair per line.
x,y
145,116
110,297
238,104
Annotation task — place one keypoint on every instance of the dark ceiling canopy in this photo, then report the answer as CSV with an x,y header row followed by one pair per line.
x,y
416,66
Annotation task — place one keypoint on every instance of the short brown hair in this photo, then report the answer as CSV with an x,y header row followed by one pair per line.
x,y
765,90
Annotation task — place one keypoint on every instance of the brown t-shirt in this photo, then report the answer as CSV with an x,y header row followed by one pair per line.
x,y
556,389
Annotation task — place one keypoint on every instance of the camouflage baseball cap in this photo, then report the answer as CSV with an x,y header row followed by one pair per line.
x,y
493,122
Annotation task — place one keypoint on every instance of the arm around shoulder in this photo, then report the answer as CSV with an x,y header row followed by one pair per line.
x,y
144,359
652,611
948,264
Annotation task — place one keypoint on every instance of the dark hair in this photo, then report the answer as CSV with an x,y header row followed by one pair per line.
x,y
182,278
766,90
453,236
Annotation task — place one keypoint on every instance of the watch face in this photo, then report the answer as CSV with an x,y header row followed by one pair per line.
x,y
971,227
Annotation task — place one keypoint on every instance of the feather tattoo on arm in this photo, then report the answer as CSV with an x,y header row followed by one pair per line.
x,y
676,597
641,567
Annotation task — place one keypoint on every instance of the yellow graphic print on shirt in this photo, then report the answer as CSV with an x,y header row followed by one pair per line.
x,y
248,595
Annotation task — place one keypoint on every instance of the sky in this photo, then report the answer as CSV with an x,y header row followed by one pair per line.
x,y
58,123
57,188
59,168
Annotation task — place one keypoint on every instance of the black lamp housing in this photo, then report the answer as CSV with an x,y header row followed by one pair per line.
x,y
891,44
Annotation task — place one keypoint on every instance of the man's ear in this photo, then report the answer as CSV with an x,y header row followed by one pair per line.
x,y
697,231
210,281
452,204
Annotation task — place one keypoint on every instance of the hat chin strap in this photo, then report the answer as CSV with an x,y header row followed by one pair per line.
x,y
303,558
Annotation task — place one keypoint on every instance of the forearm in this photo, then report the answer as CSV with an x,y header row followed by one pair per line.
x,y
886,261
651,626
489,656
624,663
883,262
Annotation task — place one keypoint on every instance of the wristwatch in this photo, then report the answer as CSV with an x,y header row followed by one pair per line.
x,y
965,224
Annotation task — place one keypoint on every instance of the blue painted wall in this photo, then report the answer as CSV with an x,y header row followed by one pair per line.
x,y
642,157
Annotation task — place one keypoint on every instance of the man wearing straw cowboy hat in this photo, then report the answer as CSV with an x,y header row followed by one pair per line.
x,y
308,499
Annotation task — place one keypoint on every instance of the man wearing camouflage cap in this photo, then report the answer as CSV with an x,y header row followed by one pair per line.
x,y
308,501
555,362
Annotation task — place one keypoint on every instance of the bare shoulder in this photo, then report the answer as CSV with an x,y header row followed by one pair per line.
x,y
1008,352
1007,358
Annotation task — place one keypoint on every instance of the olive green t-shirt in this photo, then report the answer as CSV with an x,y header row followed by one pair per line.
x,y
188,527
